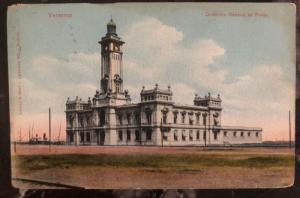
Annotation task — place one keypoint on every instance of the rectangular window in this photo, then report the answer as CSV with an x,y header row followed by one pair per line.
x,y
120,135
197,118
183,118
149,118
102,118
88,137
234,134
149,134
120,119
175,118
81,137
198,135
71,137
137,136
215,136
191,121
175,136
249,134
128,135
191,135
165,118
128,119
137,118
183,135
242,134
256,134
225,133
165,136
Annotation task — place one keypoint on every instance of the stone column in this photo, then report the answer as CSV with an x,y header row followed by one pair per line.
x,y
158,134
77,139
75,126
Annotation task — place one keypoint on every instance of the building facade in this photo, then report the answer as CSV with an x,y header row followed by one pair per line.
x,y
110,117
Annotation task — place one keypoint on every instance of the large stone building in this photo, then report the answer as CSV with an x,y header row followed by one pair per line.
x,y
110,117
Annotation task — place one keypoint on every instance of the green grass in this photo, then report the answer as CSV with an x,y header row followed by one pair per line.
x,y
180,162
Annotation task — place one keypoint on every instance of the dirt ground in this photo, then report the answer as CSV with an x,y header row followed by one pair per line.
x,y
115,178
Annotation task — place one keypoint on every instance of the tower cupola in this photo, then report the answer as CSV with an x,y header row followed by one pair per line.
x,y
111,27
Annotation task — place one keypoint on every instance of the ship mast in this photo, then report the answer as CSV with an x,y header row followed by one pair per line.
x,y
59,131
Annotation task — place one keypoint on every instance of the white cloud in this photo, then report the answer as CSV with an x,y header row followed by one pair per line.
x,y
183,93
151,34
156,53
204,52
140,71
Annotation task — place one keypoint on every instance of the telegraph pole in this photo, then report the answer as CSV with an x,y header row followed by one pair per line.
x,y
161,130
49,129
204,130
290,135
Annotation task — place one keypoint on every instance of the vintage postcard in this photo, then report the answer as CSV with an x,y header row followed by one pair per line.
x,y
152,95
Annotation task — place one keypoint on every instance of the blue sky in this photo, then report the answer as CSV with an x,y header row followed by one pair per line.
x,y
250,61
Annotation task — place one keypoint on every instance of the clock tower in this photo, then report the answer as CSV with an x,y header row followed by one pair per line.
x,y
111,61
